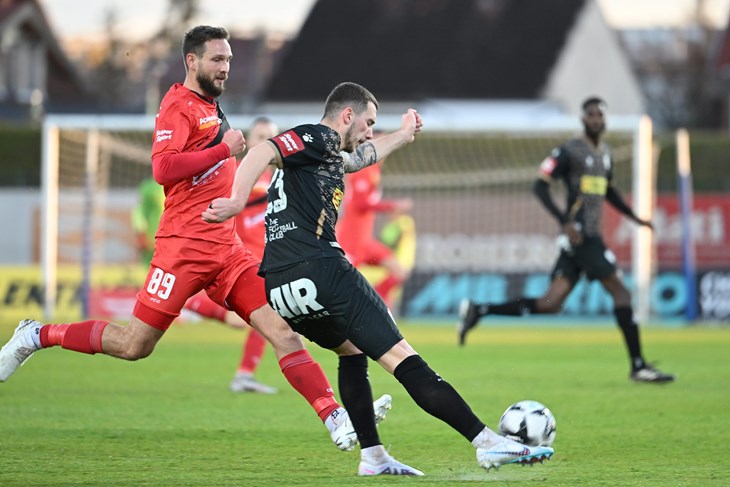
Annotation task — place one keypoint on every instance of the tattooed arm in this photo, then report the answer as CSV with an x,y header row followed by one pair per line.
x,y
370,152
364,155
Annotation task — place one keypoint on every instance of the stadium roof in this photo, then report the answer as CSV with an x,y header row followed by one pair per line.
x,y
418,49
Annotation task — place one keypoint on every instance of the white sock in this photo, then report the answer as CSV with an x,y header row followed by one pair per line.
x,y
486,439
35,335
374,455
335,419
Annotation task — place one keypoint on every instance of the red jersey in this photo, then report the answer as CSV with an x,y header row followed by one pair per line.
x,y
363,200
250,224
192,164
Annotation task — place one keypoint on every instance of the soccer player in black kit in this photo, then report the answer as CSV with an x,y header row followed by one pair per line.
x,y
584,166
322,296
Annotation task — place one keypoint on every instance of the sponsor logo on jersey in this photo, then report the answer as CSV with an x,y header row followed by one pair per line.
x,y
201,178
607,162
207,122
289,143
593,184
337,198
548,165
161,135
275,231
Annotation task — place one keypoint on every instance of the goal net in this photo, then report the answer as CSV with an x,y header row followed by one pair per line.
x,y
480,232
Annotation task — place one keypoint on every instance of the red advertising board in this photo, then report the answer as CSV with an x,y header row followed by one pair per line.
x,y
710,227
112,304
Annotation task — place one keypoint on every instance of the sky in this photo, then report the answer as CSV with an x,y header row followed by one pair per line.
x,y
78,18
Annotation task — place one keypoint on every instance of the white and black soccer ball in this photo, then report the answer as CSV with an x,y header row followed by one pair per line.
x,y
528,422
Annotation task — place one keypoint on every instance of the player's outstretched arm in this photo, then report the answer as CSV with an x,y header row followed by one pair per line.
x,y
370,152
617,201
248,172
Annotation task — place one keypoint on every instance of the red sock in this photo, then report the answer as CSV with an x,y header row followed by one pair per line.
x,y
204,306
306,376
82,337
253,350
385,286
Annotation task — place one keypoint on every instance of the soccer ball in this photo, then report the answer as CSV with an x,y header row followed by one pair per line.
x,y
528,422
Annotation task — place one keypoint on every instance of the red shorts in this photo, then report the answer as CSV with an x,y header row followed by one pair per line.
x,y
181,267
370,252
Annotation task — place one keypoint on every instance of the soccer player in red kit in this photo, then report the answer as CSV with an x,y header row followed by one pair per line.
x,y
193,157
250,228
355,228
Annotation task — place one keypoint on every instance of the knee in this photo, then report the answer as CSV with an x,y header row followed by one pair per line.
x,y
548,306
277,332
621,298
137,346
287,341
399,353
136,351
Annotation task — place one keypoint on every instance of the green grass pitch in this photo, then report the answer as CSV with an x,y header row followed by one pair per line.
x,y
169,420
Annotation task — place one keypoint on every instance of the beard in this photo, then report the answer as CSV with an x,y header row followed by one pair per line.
x,y
593,130
208,85
350,141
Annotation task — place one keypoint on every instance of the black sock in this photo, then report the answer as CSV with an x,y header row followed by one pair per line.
x,y
436,396
625,320
357,397
518,307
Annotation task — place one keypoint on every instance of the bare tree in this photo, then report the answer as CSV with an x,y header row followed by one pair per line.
x,y
675,71
110,75
127,79
699,71
181,13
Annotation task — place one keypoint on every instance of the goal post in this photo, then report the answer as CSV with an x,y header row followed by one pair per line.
x,y
79,155
479,230
644,192
686,203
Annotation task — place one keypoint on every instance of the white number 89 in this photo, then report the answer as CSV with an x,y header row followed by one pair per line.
x,y
162,280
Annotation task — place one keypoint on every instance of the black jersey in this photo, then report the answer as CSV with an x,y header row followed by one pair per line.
x,y
587,172
304,198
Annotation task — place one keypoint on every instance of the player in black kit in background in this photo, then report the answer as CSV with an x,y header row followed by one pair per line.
x,y
322,296
585,167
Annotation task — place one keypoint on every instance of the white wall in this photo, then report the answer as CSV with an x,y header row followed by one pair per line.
x,y
594,63
18,208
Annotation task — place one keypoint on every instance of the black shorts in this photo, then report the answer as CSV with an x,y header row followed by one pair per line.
x,y
328,301
591,258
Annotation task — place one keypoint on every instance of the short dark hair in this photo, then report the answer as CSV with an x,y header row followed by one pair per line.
x,y
348,94
195,39
261,119
594,100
